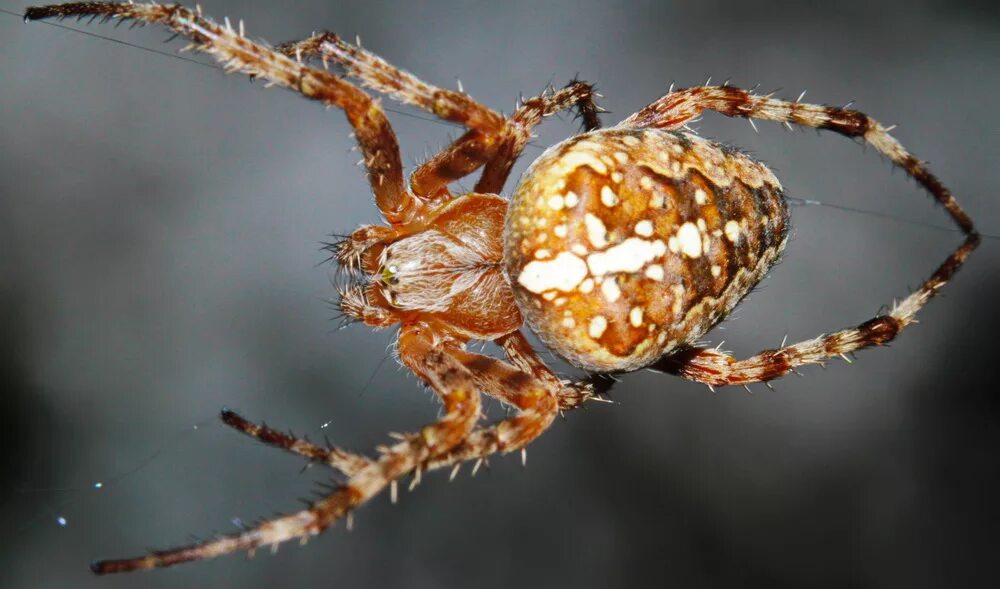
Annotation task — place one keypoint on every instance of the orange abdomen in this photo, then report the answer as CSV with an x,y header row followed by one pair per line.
x,y
623,245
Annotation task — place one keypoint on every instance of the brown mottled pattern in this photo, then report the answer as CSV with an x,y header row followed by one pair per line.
x,y
712,215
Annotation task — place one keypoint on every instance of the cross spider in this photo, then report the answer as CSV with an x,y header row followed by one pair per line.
x,y
620,247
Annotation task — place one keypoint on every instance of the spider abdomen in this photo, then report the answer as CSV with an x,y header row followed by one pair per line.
x,y
622,245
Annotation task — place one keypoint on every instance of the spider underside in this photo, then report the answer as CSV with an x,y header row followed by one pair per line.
x,y
620,248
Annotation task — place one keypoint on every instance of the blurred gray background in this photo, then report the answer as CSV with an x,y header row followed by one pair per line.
x,y
159,230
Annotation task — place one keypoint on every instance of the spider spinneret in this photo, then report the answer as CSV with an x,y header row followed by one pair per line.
x,y
620,247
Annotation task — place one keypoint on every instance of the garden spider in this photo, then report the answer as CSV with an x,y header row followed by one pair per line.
x,y
620,249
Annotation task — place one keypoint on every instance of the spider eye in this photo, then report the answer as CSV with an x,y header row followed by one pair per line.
x,y
388,274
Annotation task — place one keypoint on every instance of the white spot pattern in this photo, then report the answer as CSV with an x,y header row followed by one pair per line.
x,y
597,326
628,256
608,196
597,233
689,240
562,273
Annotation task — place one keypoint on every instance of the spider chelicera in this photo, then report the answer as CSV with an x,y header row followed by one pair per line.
x,y
620,248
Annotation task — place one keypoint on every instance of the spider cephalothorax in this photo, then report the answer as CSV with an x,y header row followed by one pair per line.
x,y
620,247
447,268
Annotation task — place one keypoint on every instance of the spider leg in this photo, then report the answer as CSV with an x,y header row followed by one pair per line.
x,y
463,157
499,149
504,383
491,139
379,75
679,107
713,367
520,353
536,400
453,383
346,462
577,94
717,368
536,395
239,54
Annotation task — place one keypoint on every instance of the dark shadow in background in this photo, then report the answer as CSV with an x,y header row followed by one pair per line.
x,y
809,533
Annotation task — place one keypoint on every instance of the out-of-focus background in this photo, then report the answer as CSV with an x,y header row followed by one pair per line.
x,y
159,230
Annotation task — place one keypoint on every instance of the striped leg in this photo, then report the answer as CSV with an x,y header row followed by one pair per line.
x,y
680,107
239,54
461,158
713,367
576,94
536,399
496,379
498,151
491,139
456,387
379,75
341,460
520,353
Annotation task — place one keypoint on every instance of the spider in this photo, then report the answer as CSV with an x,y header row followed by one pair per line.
x,y
619,248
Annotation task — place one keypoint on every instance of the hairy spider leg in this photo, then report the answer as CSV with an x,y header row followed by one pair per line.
x,y
341,460
713,367
507,384
521,354
576,94
536,399
452,381
430,180
490,140
239,54
682,106
499,149
379,75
